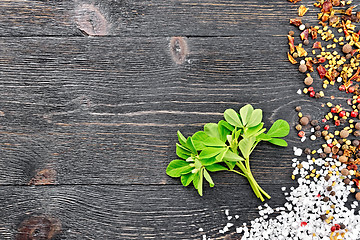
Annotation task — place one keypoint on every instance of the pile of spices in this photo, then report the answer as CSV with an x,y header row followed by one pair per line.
x,y
319,208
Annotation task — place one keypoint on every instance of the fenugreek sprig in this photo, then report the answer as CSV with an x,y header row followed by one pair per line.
x,y
225,146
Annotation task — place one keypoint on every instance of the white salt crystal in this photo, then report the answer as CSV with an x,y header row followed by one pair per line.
x,y
299,91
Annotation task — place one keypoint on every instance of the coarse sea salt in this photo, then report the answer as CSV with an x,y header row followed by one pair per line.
x,y
299,218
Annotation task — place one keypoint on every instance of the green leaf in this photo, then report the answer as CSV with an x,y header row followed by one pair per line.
x,y
245,146
255,119
245,113
182,151
232,157
216,167
214,142
280,128
226,125
208,178
196,179
223,130
208,161
231,165
263,137
279,142
190,145
211,129
209,152
182,139
187,179
176,168
219,158
238,133
232,118
198,139
252,131
200,183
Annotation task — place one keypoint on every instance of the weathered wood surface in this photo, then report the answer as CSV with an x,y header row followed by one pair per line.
x,y
141,17
92,121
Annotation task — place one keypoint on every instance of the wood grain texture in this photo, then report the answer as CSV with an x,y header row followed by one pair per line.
x,y
97,109
90,122
129,212
142,18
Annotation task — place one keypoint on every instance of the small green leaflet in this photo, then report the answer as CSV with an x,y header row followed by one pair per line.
x,y
182,152
216,167
181,138
278,141
211,129
255,119
209,152
280,128
232,118
208,178
176,168
246,145
254,131
245,113
232,157
187,179
190,145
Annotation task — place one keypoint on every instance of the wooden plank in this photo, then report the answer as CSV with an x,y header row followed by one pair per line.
x,y
126,212
91,113
144,18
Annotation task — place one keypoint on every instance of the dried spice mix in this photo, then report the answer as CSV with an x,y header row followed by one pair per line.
x,y
324,205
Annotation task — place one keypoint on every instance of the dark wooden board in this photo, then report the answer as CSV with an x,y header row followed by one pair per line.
x,y
92,121
142,18
82,108
129,212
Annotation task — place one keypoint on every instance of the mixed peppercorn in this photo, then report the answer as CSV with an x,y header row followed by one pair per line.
x,y
332,68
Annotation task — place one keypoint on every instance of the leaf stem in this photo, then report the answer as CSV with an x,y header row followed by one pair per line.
x,y
237,172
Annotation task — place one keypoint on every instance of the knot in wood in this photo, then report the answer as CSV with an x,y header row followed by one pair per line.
x,y
90,20
178,49
39,228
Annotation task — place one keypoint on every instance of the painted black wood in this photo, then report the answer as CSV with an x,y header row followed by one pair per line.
x,y
91,121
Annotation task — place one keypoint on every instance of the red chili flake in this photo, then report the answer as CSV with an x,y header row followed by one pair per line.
x,y
296,22
323,120
312,94
303,224
318,195
313,32
291,59
358,100
309,66
321,60
317,45
337,123
345,29
322,71
334,110
294,1
326,127
351,89
305,34
301,134
326,7
354,114
291,44
310,89
356,75
342,114
330,145
333,228
356,181
349,11
342,88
